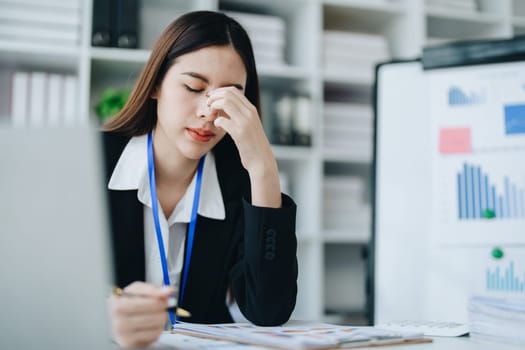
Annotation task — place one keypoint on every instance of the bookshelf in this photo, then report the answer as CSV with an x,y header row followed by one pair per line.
x,y
332,258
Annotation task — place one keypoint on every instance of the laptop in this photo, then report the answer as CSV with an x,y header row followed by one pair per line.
x,y
55,265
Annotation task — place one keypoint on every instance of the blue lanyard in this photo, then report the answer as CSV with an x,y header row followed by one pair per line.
x,y
191,230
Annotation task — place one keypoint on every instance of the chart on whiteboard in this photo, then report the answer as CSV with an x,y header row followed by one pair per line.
x,y
478,156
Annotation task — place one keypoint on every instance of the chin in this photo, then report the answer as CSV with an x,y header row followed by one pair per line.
x,y
195,153
195,150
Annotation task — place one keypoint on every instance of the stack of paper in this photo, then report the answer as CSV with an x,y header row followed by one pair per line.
x,y
353,55
348,127
496,319
303,336
46,22
267,34
344,206
455,5
173,341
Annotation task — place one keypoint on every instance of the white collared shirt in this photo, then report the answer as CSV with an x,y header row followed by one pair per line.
x,y
131,173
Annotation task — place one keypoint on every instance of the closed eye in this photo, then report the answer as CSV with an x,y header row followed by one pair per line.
x,y
193,90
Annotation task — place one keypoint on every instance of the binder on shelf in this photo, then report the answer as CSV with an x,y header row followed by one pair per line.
x,y
302,121
70,101
126,24
19,98
54,99
282,133
37,100
101,34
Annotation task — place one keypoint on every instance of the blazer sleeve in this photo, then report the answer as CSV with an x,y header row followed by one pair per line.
x,y
264,281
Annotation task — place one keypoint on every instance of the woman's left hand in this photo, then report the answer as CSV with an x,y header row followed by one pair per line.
x,y
240,119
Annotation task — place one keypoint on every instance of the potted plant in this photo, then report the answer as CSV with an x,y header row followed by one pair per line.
x,y
111,102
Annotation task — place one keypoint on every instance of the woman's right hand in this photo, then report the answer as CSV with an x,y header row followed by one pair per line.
x,y
139,321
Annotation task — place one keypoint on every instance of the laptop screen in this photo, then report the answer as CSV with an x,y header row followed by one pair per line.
x,y
54,242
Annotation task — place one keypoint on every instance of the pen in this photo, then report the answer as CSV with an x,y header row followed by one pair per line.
x,y
171,301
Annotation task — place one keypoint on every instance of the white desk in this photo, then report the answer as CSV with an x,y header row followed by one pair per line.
x,y
456,343
439,343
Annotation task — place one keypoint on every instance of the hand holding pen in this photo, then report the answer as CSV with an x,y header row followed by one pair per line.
x,y
139,320
172,301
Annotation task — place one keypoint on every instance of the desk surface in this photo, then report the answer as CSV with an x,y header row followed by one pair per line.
x,y
178,341
456,343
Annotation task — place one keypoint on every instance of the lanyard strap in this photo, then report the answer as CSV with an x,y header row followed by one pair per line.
x,y
193,222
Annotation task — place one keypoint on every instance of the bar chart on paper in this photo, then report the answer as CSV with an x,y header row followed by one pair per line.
x,y
504,272
478,197
478,183
505,278
458,97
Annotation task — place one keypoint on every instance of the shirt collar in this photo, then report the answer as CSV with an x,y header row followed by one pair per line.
x,y
131,173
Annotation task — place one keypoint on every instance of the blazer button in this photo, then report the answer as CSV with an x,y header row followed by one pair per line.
x,y
270,241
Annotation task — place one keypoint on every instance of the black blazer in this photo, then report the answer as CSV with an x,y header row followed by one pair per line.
x,y
253,250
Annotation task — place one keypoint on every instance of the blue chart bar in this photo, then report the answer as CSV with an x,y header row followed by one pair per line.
x,y
479,199
515,119
505,281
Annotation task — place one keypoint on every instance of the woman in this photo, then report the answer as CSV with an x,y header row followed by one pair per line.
x,y
190,141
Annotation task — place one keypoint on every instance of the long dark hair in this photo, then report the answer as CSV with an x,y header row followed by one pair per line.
x,y
190,32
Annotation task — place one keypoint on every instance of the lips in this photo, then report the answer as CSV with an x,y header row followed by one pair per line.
x,y
200,135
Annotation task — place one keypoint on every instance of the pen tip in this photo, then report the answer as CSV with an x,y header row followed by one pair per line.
x,y
117,291
182,312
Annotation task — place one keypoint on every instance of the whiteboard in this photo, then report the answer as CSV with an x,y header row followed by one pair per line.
x,y
448,141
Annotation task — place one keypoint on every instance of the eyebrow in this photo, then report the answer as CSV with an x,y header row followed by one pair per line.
x,y
204,79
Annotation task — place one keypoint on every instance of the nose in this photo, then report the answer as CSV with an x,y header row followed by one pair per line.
x,y
204,111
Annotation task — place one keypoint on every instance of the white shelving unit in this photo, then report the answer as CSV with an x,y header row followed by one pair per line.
x,y
331,261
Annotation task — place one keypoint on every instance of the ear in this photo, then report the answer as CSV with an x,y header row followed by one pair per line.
x,y
155,94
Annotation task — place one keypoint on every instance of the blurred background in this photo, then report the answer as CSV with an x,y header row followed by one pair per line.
x,y
67,63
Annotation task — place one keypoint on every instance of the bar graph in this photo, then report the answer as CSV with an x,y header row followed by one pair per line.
x,y
458,97
479,198
499,280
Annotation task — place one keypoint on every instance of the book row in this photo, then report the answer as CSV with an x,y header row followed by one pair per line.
x,y
41,99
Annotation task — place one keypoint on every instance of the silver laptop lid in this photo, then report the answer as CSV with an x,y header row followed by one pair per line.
x,y
54,241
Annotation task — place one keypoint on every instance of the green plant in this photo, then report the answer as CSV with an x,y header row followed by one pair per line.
x,y
111,102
